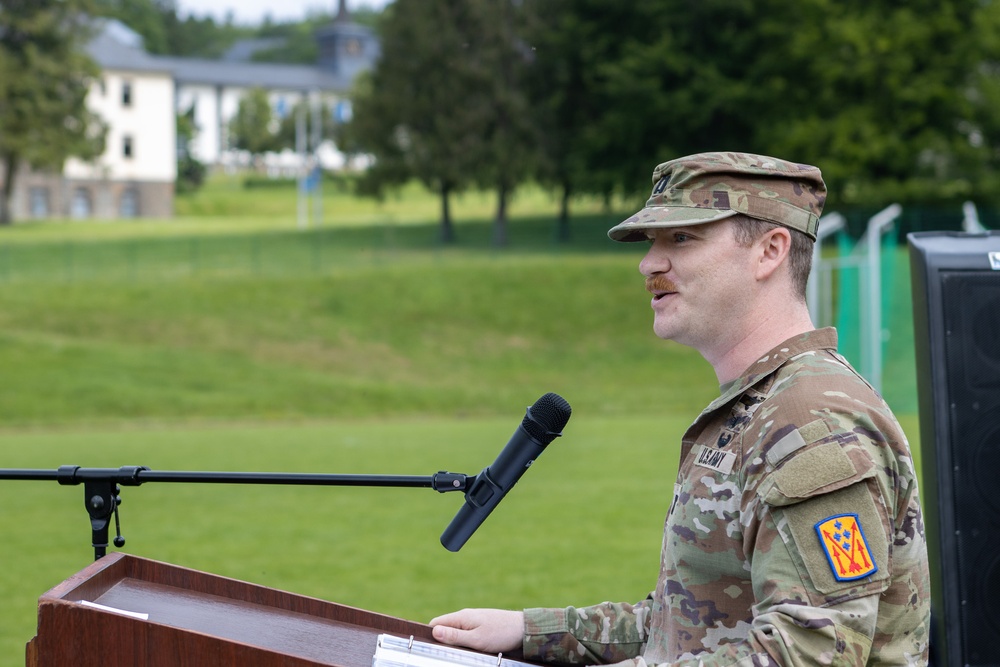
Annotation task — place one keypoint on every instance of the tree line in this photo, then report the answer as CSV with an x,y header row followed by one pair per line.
x,y
894,101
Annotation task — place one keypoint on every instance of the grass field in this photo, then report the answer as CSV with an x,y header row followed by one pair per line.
x,y
228,340
584,525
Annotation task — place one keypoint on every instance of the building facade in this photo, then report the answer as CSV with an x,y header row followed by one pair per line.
x,y
139,96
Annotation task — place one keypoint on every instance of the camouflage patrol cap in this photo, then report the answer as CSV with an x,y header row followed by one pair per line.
x,y
706,187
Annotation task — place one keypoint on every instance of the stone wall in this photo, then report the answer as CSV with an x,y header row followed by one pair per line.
x,y
40,196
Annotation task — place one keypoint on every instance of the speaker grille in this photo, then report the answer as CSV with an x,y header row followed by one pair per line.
x,y
971,304
983,319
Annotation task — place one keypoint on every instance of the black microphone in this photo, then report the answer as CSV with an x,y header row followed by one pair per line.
x,y
543,422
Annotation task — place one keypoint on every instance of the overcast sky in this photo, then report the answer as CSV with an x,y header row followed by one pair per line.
x,y
253,11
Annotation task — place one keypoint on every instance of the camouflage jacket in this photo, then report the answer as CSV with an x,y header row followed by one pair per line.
x,y
794,536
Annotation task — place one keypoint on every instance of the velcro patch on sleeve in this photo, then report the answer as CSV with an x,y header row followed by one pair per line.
x,y
806,520
843,541
813,469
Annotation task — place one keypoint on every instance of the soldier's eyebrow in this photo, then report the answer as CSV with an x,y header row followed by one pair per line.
x,y
697,231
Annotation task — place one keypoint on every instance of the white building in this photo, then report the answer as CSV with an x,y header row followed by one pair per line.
x,y
139,95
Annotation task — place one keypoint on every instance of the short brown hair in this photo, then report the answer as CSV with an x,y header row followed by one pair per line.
x,y
746,230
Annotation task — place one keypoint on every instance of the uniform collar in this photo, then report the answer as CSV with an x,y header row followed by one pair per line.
x,y
817,339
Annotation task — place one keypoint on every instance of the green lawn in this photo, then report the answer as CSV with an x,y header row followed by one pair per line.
x,y
583,526
227,339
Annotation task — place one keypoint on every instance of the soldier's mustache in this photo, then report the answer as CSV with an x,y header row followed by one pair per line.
x,y
660,284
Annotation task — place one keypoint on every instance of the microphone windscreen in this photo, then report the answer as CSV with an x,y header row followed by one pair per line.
x,y
546,418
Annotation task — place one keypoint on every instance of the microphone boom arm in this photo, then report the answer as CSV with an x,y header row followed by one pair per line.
x,y
102,486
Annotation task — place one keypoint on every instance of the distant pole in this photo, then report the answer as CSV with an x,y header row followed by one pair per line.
x,y
300,149
317,133
970,219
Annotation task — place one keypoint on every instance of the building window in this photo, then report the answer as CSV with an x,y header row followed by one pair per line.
x,y
126,93
353,47
81,204
128,150
128,205
39,202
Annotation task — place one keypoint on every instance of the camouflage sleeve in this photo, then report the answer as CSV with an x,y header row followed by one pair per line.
x,y
601,634
787,634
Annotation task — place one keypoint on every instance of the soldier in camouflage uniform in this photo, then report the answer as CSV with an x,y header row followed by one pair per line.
x,y
794,536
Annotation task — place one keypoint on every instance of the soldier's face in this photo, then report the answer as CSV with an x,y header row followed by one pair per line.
x,y
701,280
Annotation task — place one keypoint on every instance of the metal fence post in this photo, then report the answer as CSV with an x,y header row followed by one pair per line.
x,y
829,224
871,293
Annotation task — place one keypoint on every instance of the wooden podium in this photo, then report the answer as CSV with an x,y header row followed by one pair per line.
x,y
197,619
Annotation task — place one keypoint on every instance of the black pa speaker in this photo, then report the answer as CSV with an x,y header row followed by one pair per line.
x,y
956,317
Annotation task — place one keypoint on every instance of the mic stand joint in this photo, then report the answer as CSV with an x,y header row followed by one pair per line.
x,y
443,482
102,501
100,493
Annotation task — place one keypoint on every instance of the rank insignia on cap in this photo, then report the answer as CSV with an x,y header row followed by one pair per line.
x,y
845,547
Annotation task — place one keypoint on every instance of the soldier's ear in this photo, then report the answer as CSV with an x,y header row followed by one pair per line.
x,y
772,250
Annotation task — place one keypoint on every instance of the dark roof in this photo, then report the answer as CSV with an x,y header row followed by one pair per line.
x,y
243,50
266,75
117,47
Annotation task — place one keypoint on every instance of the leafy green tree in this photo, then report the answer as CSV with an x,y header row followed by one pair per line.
x,y
190,172
199,37
661,79
982,126
447,102
254,128
560,86
881,97
876,92
499,59
164,32
417,112
299,45
45,80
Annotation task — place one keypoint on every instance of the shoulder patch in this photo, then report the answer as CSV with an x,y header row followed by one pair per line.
x,y
845,546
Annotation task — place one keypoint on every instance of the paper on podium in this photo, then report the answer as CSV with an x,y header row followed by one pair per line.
x,y
394,651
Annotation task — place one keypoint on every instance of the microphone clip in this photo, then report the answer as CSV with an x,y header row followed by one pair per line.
x,y
443,482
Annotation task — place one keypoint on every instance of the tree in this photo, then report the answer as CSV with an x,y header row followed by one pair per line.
x,y
982,127
873,91
500,58
190,172
164,32
876,92
45,80
198,37
419,112
661,78
254,128
298,43
883,110
560,86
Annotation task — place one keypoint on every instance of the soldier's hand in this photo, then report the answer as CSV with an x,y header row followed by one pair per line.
x,y
488,630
